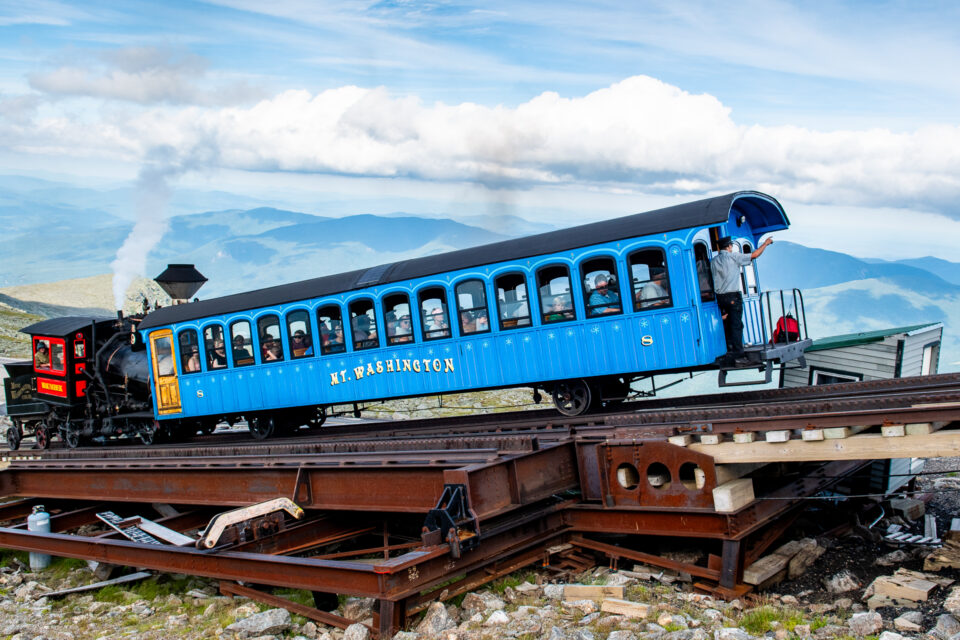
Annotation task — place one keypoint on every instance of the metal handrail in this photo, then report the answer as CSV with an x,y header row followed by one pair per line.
x,y
796,306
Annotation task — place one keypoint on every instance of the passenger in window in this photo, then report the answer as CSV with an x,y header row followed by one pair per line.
x,y
336,338
654,293
193,360
726,280
300,344
41,359
436,321
603,299
404,330
271,350
362,330
560,309
218,357
240,350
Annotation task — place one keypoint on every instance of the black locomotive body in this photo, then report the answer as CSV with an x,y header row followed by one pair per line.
x,y
88,379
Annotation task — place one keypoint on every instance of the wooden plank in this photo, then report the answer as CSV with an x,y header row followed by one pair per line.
x,y
919,428
893,430
765,568
625,608
747,436
779,435
903,588
592,591
711,438
727,472
865,446
812,434
838,433
733,495
680,441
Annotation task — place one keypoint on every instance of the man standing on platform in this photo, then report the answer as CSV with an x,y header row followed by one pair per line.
x,y
726,280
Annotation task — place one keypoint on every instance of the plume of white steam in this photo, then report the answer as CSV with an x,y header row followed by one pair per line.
x,y
153,191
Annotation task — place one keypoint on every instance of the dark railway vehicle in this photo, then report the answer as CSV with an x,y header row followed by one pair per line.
x,y
89,378
579,313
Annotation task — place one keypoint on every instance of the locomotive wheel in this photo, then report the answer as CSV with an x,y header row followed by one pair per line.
x,y
147,435
42,434
572,397
261,427
70,435
13,438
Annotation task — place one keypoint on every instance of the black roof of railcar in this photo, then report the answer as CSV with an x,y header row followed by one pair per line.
x,y
765,214
62,326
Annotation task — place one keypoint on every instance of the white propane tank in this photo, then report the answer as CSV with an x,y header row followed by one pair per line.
x,y
39,521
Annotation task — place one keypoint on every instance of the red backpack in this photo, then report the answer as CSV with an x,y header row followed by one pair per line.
x,y
788,330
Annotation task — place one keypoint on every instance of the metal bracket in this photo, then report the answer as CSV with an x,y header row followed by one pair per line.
x,y
452,520
144,531
256,520
767,377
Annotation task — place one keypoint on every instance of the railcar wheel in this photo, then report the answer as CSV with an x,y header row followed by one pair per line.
x,y
42,433
261,427
13,438
572,397
318,419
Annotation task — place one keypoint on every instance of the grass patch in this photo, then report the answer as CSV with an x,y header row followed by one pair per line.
x,y
63,568
8,558
513,581
758,621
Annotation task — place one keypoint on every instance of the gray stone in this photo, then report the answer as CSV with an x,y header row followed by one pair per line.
x,y
358,608
585,606
802,631
588,619
713,615
496,619
830,631
267,623
583,634
790,601
841,582
435,620
406,635
622,634
734,633
890,635
556,633
619,580
909,621
480,603
865,624
528,588
356,631
894,558
952,603
553,591
843,603
682,634
946,626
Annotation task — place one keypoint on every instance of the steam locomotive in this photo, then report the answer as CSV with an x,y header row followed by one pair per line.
x,y
578,313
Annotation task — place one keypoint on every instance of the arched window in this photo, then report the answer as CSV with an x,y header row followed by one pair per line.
x,y
189,351
299,335
512,301
363,325
649,280
241,343
434,318
472,307
601,289
396,318
556,295
704,278
748,276
330,324
271,346
216,351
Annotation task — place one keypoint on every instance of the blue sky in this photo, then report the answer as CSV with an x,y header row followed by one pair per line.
x,y
848,112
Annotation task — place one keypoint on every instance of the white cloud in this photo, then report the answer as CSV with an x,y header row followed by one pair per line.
x,y
640,134
143,75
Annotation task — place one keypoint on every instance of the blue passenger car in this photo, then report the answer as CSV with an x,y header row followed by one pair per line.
x,y
579,313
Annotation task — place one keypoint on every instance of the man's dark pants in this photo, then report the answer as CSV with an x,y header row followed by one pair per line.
x,y
731,305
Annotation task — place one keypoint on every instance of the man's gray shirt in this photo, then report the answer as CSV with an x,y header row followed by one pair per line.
x,y
726,270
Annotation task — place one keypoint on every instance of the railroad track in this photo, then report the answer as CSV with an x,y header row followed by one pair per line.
x,y
922,399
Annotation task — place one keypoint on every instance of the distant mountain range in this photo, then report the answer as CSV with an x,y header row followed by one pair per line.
x,y
53,232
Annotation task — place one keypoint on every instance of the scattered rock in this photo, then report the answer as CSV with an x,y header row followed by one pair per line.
x,y
952,603
497,618
890,635
727,633
841,582
358,608
892,559
909,621
356,631
946,627
553,591
865,624
267,623
435,620
480,602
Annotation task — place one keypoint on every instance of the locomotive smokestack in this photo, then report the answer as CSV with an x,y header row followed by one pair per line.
x,y
180,281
